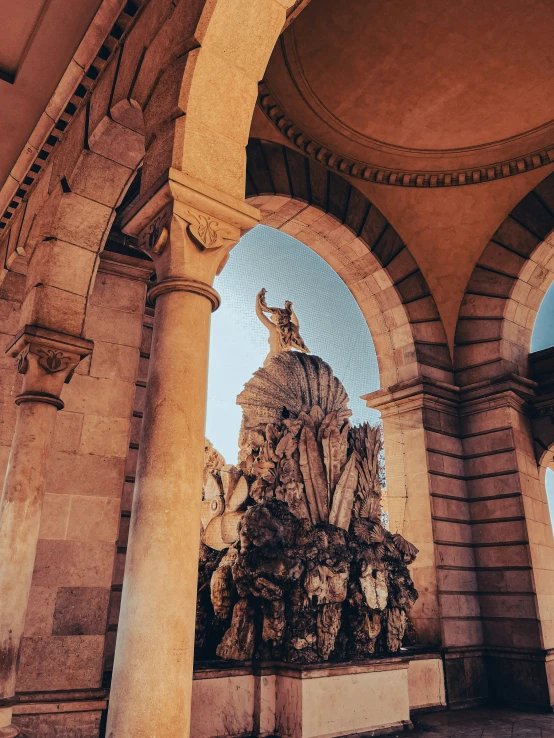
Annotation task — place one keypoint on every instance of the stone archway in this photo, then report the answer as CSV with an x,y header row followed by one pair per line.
x,y
506,426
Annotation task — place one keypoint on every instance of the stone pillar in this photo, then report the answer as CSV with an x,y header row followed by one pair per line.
x,y
512,537
46,359
429,504
188,229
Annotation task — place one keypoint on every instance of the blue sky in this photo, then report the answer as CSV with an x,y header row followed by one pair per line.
x,y
331,324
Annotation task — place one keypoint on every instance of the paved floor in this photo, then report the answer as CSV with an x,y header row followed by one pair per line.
x,y
483,723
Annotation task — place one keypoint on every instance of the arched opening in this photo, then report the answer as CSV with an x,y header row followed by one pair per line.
x,y
331,323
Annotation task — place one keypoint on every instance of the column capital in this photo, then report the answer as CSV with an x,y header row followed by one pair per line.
x,y
413,393
46,359
188,229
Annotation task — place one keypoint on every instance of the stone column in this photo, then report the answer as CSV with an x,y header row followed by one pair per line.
x,y
188,229
46,360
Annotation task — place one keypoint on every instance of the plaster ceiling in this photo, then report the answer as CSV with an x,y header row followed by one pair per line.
x,y
39,39
420,83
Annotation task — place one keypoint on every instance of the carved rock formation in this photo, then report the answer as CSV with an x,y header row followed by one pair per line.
x,y
307,572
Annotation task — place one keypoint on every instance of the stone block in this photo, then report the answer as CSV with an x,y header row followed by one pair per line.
x,y
131,463
447,486
506,507
140,399
93,518
127,497
54,308
499,531
142,374
462,632
114,607
466,679
453,509
84,474
118,293
62,265
146,340
136,425
99,179
497,440
516,554
455,556
81,221
457,580
73,564
500,605
493,486
506,581
82,724
105,436
499,463
80,611
60,662
123,535
113,326
459,606
102,92
111,361
54,517
109,398
13,288
4,455
40,611
9,314
518,681
426,683
223,706
119,568
512,633
453,532
311,703
67,431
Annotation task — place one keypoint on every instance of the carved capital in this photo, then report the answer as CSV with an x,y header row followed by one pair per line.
x,y
46,359
187,228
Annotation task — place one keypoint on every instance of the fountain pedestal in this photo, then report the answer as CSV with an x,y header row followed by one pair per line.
x,y
366,698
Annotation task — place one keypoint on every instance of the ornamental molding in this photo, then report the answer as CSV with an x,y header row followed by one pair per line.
x,y
452,177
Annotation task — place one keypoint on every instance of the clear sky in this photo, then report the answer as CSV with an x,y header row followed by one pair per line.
x,y
331,324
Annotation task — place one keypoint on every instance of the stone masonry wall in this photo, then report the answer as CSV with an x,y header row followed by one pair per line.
x,y
64,640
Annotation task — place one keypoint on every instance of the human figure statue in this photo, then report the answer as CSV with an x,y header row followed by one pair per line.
x,y
284,333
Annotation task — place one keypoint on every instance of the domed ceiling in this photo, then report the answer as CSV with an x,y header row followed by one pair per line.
x,y
409,88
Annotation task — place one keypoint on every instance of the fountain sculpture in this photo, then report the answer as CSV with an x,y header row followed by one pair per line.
x,y
295,563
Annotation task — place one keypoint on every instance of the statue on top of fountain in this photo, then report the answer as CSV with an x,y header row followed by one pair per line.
x,y
283,326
